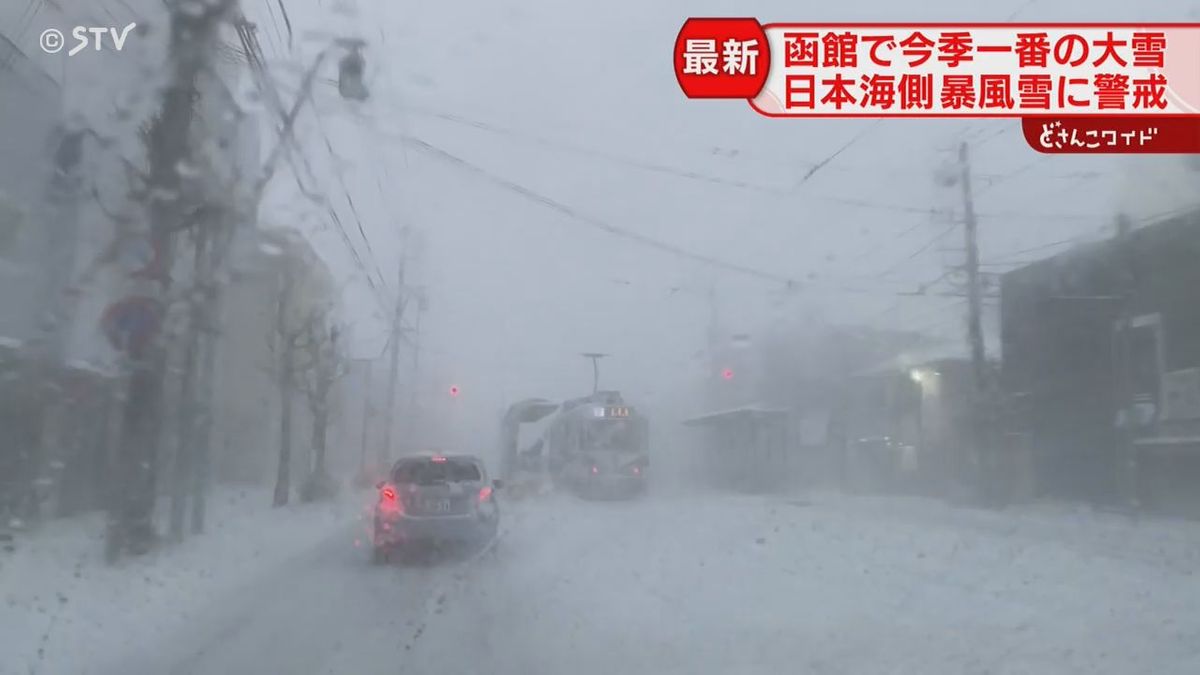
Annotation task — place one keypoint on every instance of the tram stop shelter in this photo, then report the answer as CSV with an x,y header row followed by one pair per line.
x,y
742,448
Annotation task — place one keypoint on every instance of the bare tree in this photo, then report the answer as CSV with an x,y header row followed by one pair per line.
x,y
325,366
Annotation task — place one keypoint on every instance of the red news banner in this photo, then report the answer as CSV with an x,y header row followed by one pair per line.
x,y
1077,88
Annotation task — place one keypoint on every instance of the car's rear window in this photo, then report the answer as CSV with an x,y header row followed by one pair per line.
x,y
429,472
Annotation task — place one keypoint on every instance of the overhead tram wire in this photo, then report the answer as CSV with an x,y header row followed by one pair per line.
x,y
924,247
597,224
350,200
255,48
745,185
845,146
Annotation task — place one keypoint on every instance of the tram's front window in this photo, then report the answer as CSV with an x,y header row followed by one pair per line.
x,y
611,435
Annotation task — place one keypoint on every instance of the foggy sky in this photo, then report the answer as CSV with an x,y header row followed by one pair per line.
x,y
517,290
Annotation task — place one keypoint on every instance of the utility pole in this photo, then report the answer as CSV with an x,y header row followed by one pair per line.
x,y
366,417
416,363
982,402
192,47
385,450
189,387
974,288
595,357
203,461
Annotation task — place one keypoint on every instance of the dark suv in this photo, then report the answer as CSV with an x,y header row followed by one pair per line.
x,y
434,500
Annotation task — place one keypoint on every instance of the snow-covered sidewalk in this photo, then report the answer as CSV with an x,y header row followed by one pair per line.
x,y
64,610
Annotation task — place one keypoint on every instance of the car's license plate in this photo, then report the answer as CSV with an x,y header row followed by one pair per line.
x,y
437,505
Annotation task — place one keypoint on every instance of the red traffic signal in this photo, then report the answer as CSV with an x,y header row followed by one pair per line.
x,y
727,373
454,390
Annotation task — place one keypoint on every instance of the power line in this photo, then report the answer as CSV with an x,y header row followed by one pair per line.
x,y
596,223
1000,180
252,48
739,184
846,146
256,60
350,201
36,6
608,228
601,154
1041,247
573,147
287,21
924,247
274,23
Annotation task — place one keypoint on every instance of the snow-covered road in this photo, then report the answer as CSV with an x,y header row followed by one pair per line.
x,y
718,584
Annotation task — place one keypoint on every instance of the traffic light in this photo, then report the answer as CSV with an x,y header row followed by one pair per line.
x,y
727,373
350,75
454,391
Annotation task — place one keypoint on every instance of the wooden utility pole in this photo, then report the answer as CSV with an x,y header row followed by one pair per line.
x,y
974,288
368,365
192,46
416,366
982,401
385,449
189,387
203,457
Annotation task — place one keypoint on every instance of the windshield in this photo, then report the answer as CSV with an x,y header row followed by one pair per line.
x,y
612,435
759,337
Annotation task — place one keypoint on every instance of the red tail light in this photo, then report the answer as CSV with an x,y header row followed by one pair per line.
x,y
485,493
388,502
637,470
595,469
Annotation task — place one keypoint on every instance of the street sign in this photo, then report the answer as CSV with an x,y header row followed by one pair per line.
x,y
131,323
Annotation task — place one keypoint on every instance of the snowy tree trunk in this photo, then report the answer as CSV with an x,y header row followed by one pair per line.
x,y
283,473
319,439
319,484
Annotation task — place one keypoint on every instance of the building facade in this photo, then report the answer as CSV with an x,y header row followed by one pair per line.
x,y
247,393
1103,343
